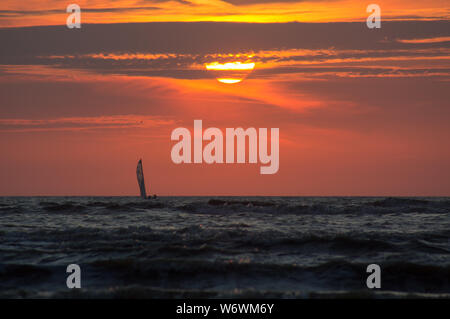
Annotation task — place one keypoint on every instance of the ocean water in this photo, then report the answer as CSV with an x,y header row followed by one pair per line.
x,y
224,247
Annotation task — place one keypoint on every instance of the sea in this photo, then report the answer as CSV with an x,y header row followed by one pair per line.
x,y
225,247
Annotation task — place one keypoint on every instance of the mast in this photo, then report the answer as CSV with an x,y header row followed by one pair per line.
x,y
140,178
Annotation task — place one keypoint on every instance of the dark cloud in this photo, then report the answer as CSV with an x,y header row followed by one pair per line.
x,y
15,13
213,37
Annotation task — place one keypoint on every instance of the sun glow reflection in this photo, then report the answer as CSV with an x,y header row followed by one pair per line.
x,y
230,66
230,72
229,81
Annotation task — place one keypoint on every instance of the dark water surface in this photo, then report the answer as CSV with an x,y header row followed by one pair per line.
x,y
289,247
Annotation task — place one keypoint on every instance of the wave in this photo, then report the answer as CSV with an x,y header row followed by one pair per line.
x,y
176,278
99,206
151,267
247,203
236,238
395,202
233,205
310,206
337,273
65,207
19,273
264,245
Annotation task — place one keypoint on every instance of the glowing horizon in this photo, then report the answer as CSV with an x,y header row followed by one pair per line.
x,y
124,11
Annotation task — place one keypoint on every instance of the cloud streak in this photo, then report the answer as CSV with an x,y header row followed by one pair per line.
x,y
83,123
425,40
21,13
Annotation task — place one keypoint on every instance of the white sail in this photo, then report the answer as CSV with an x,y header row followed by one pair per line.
x,y
140,178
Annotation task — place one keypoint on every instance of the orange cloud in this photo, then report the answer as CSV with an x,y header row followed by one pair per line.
x,y
425,40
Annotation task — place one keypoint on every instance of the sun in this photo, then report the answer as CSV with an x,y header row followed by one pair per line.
x,y
230,72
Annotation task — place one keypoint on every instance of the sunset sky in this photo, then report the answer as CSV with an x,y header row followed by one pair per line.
x,y
360,111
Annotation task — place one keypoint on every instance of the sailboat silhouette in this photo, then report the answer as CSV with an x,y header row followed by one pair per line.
x,y
141,181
